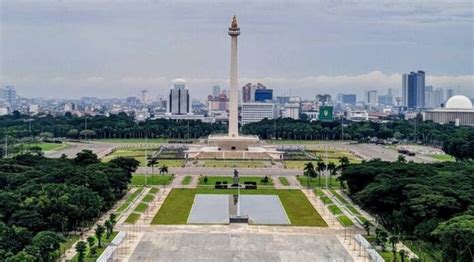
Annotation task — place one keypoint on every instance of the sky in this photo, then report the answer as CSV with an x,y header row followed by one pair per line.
x,y
104,48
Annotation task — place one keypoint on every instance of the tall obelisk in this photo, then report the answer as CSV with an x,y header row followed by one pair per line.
x,y
234,31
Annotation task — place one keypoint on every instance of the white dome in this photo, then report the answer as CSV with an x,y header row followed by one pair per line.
x,y
179,81
459,102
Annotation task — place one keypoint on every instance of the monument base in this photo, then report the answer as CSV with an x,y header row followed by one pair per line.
x,y
239,219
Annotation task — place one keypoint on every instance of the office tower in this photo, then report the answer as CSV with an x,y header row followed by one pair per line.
x,y
247,93
292,110
323,99
371,97
346,98
385,100
216,91
179,103
450,93
438,97
413,89
9,95
257,111
429,97
282,100
144,97
262,95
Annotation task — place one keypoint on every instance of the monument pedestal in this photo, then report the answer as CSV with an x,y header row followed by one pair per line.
x,y
239,219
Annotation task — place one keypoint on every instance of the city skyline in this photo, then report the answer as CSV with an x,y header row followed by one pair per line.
x,y
83,49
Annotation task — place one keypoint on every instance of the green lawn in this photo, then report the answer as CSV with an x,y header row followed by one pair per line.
x,y
138,153
212,180
169,163
314,182
141,208
139,179
135,140
284,181
153,190
425,251
318,192
354,210
326,200
186,180
105,243
234,164
176,208
48,146
148,198
345,221
334,210
339,197
132,218
129,200
443,157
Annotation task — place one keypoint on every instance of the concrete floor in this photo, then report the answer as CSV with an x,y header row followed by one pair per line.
x,y
155,246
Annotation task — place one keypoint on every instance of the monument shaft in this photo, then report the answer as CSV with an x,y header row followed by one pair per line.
x,y
234,31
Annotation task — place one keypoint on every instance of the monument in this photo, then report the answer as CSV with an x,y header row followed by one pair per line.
x,y
233,145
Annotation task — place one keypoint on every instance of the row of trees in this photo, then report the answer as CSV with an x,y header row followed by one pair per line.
x,y
457,141
42,200
432,202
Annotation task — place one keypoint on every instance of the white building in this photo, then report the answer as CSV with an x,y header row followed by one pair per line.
x,y
179,103
292,110
254,112
3,110
358,115
371,97
33,109
458,110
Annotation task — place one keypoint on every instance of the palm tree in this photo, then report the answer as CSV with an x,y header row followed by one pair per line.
x,y
163,169
320,168
109,228
331,167
99,231
152,161
366,226
344,161
401,159
309,171
81,248
394,240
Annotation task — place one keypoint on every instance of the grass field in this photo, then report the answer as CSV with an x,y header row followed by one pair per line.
x,y
339,197
444,158
295,142
129,200
345,221
139,179
169,163
234,164
137,153
176,208
212,180
334,210
105,243
48,146
135,140
132,218
141,207
148,198
186,180
153,190
314,182
284,181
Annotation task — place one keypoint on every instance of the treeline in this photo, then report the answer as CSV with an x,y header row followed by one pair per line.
x,y
43,200
457,141
432,202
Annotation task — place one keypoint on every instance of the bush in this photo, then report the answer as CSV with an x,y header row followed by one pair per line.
x,y
205,180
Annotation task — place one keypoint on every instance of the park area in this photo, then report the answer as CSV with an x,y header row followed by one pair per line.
x,y
177,206
140,154
235,163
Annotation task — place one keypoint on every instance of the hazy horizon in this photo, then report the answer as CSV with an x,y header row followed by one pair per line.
x,y
70,49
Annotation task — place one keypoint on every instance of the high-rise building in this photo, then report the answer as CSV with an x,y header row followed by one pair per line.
x,y
450,93
216,91
323,99
256,111
438,97
9,95
282,100
263,94
248,92
371,97
413,89
179,103
292,110
429,97
347,98
144,97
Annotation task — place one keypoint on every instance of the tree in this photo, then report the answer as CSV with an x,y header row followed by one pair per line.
x,y
109,228
403,255
309,171
401,159
457,236
99,232
344,161
86,157
381,238
331,167
37,150
81,248
152,161
46,243
92,249
366,226
394,241
113,219
321,167
163,169
22,256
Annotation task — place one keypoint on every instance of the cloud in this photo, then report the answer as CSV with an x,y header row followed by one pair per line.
x,y
306,87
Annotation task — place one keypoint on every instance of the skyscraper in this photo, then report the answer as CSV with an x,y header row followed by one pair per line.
x,y
371,97
179,102
429,97
413,89
216,91
438,97
347,98
9,95
450,93
262,95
